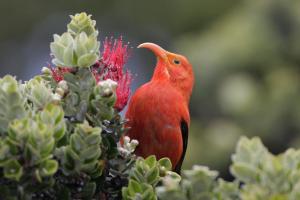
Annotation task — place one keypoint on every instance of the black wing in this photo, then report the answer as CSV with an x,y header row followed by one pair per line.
x,y
185,135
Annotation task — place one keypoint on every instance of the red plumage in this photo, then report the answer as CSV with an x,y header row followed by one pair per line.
x,y
158,111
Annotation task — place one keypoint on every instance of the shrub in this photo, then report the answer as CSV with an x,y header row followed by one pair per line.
x,y
60,133
59,130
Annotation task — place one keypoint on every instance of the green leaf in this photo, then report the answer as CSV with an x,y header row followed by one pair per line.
x,y
134,187
13,170
152,175
12,101
69,55
151,161
87,60
148,192
244,172
93,139
91,153
66,39
77,143
166,163
80,49
82,23
49,167
174,176
57,50
138,176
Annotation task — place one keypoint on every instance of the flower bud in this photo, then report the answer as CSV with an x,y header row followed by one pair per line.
x,y
82,23
60,91
63,85
126,140
134,142
46,71
56,98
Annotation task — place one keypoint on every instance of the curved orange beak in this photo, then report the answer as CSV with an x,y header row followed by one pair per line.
x,y
157,50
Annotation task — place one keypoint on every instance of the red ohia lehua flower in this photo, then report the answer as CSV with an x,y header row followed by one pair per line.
x,y
110,66
114,56
58,73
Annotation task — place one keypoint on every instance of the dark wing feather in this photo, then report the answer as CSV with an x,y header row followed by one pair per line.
x,y
185,135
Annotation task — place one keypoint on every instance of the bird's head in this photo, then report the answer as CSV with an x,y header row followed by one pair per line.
x,y
173,68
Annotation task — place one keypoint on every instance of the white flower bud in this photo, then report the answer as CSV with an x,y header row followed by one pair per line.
x,y
127,146
108,84
126,140
46,71
63,85
134,142
123,152
56,98
60,91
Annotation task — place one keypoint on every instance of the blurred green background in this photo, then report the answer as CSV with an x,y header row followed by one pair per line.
x,y
245,53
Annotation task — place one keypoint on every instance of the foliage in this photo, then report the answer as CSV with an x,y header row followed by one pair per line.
x,y
60,130
266,176
259,175
78,46
83,152
60,134
11,101
144,176
234,45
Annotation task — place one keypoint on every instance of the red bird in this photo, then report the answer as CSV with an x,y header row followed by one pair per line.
x,y
158,112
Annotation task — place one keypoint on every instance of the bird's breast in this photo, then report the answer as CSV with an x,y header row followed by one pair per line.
x,y
155,113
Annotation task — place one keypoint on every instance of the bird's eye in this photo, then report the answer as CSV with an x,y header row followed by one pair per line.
x,y
176,62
